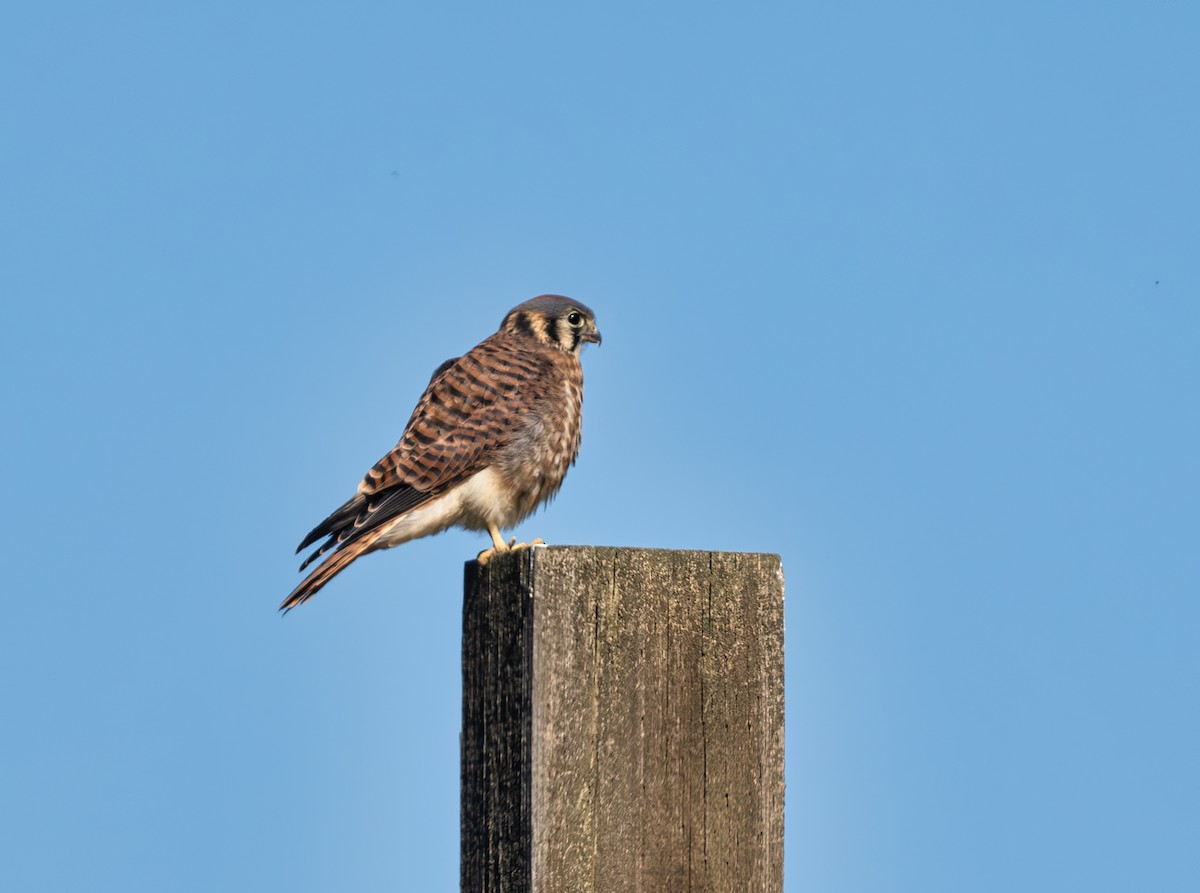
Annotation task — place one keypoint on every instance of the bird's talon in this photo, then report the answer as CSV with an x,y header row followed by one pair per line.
x,y
514,546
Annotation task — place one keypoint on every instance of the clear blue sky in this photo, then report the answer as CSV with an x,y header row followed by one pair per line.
x,y
907,293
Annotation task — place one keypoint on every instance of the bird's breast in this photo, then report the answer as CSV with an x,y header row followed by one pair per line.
x,y
536,460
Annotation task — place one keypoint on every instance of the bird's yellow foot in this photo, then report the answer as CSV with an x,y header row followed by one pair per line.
x,y
512,546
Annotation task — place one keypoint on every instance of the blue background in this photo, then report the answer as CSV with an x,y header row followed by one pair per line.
x,y
907,293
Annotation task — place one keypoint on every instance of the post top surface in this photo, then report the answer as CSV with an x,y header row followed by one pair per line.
x,y
628,552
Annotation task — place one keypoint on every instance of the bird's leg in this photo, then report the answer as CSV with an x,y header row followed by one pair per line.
x,y
498,545
497,539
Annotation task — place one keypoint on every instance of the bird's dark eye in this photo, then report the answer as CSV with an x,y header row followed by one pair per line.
x,y
575,319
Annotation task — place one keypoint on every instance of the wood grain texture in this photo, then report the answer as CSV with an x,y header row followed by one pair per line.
x,y
623,722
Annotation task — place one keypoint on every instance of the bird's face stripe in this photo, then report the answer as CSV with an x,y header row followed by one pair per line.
x,y
523,324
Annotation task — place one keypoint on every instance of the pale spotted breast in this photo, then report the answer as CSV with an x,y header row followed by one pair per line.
x,y
538,455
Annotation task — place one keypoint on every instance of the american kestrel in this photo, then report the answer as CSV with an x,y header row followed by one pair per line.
x,y
491,439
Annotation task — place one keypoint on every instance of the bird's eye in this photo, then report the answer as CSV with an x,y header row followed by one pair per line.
x,y
575,319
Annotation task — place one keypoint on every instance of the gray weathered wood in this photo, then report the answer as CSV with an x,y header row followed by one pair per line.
x,y
622,722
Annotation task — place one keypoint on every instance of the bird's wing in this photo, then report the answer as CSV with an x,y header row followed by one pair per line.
x,y
464,415
355,511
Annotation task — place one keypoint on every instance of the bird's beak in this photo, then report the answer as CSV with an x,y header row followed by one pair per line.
x,y
592,334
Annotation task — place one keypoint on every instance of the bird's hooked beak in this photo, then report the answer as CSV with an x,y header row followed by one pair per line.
x,y
591,333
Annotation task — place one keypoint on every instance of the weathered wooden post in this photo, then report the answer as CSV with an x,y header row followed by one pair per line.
x,y
622,722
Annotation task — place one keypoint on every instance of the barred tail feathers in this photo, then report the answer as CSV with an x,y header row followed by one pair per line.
x,y
330,568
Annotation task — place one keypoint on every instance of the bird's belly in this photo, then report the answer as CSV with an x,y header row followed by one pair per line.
x,y
489,497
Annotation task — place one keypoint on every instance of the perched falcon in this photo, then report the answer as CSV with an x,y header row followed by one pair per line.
x,y
491,439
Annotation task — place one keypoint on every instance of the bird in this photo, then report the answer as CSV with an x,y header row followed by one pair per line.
x,y
490,440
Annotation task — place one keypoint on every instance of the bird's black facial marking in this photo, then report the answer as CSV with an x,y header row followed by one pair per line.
x,y
523,324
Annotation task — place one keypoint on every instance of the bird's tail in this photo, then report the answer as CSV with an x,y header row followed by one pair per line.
x,y
329,568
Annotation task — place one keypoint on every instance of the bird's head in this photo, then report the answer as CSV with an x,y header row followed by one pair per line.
x,y
553,320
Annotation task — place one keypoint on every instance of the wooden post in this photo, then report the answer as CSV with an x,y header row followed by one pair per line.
x,y
622,722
